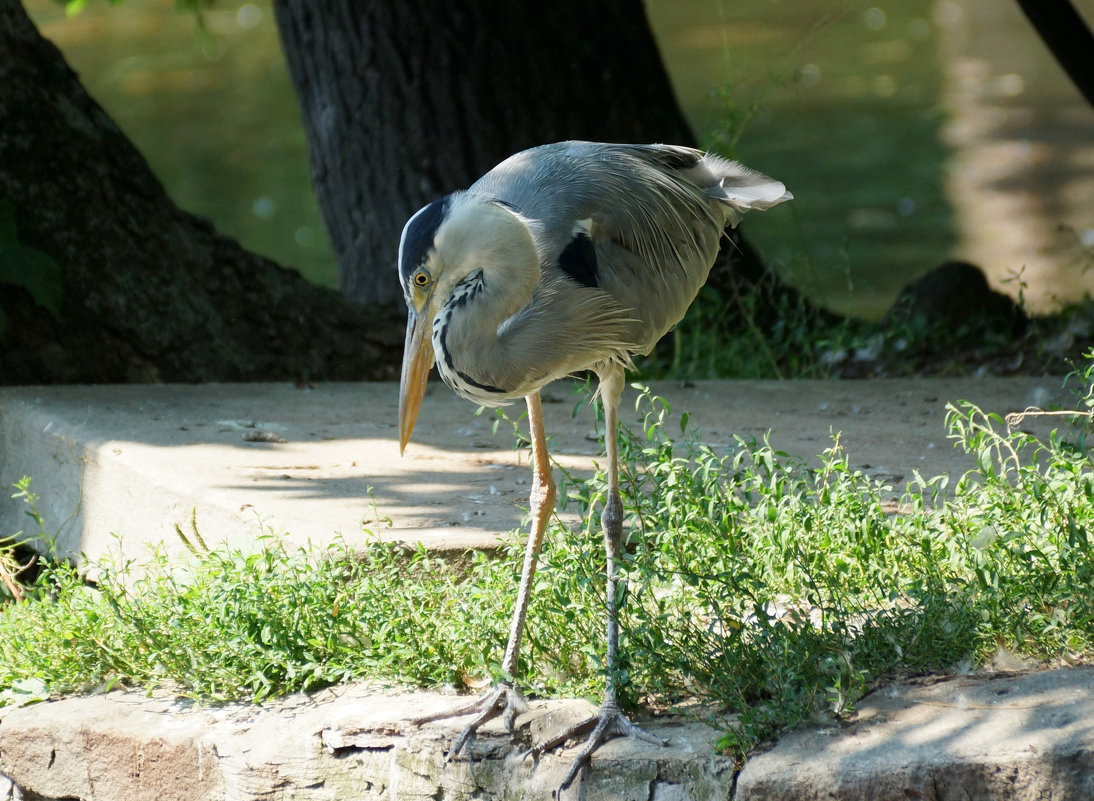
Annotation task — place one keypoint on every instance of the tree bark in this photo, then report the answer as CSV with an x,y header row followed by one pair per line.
x,y
148,292
1067,37
404,101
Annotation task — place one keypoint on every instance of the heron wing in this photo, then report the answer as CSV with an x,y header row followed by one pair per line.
x,y
654,215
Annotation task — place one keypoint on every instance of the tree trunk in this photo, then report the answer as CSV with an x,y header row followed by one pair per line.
x,y
146,292
1067,37
406,100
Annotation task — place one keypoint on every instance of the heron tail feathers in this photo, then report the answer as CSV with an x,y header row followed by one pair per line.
x,y
742,188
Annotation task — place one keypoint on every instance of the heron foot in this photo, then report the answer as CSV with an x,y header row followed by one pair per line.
x,y
503,699
608,722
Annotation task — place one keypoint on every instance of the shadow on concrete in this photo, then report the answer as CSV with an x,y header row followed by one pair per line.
x,y
1017,736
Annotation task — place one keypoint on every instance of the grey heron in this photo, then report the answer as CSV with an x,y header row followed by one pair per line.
x,y
565,257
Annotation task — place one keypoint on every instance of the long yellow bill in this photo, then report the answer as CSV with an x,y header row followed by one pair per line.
x,y
417,361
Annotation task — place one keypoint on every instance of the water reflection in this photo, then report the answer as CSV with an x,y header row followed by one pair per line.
x,y
1021,175
909,131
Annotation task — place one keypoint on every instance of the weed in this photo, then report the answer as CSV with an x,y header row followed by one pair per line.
x,y
18,561
10,568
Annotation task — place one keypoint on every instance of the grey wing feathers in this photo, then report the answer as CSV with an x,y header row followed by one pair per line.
x,y
655,214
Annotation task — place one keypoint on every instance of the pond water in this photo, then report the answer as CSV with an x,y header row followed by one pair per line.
x,y
851,103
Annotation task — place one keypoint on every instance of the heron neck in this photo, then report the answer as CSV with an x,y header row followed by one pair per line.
x,y
472,352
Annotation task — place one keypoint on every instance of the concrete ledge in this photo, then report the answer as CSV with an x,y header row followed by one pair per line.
x,y
348,743
1015,737
134,461
967,739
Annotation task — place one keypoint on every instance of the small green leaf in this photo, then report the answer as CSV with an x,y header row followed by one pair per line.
x,y
24,691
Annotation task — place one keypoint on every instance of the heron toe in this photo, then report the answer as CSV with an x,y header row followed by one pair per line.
x,y
608,722
503,699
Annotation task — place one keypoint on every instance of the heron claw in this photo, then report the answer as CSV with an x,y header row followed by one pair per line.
x,y
502,699
607,723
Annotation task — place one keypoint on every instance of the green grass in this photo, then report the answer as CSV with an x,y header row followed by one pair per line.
x,y
757,584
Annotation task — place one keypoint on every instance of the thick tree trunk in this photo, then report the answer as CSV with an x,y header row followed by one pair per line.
x,y
148,292
406,100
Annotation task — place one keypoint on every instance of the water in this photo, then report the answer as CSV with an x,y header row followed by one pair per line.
x,y
852,104
839,100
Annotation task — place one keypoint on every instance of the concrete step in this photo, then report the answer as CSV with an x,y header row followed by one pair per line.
x,y
118,467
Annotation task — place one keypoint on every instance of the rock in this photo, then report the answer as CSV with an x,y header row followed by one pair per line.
x,y
108,493
956,293
347,743
970,738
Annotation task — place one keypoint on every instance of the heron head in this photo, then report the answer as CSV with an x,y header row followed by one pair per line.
x,y
442,244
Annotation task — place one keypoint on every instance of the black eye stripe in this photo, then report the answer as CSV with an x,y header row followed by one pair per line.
x,y
417,238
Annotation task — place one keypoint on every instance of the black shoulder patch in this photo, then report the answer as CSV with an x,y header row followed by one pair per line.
x,y
578,260
418,235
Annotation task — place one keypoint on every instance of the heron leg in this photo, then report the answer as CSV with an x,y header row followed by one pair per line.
x,y
504,698
609,721
542,503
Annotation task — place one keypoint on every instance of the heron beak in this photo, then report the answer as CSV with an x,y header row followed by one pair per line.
x,y
417,361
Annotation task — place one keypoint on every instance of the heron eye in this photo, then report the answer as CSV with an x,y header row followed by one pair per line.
x,y
420,279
